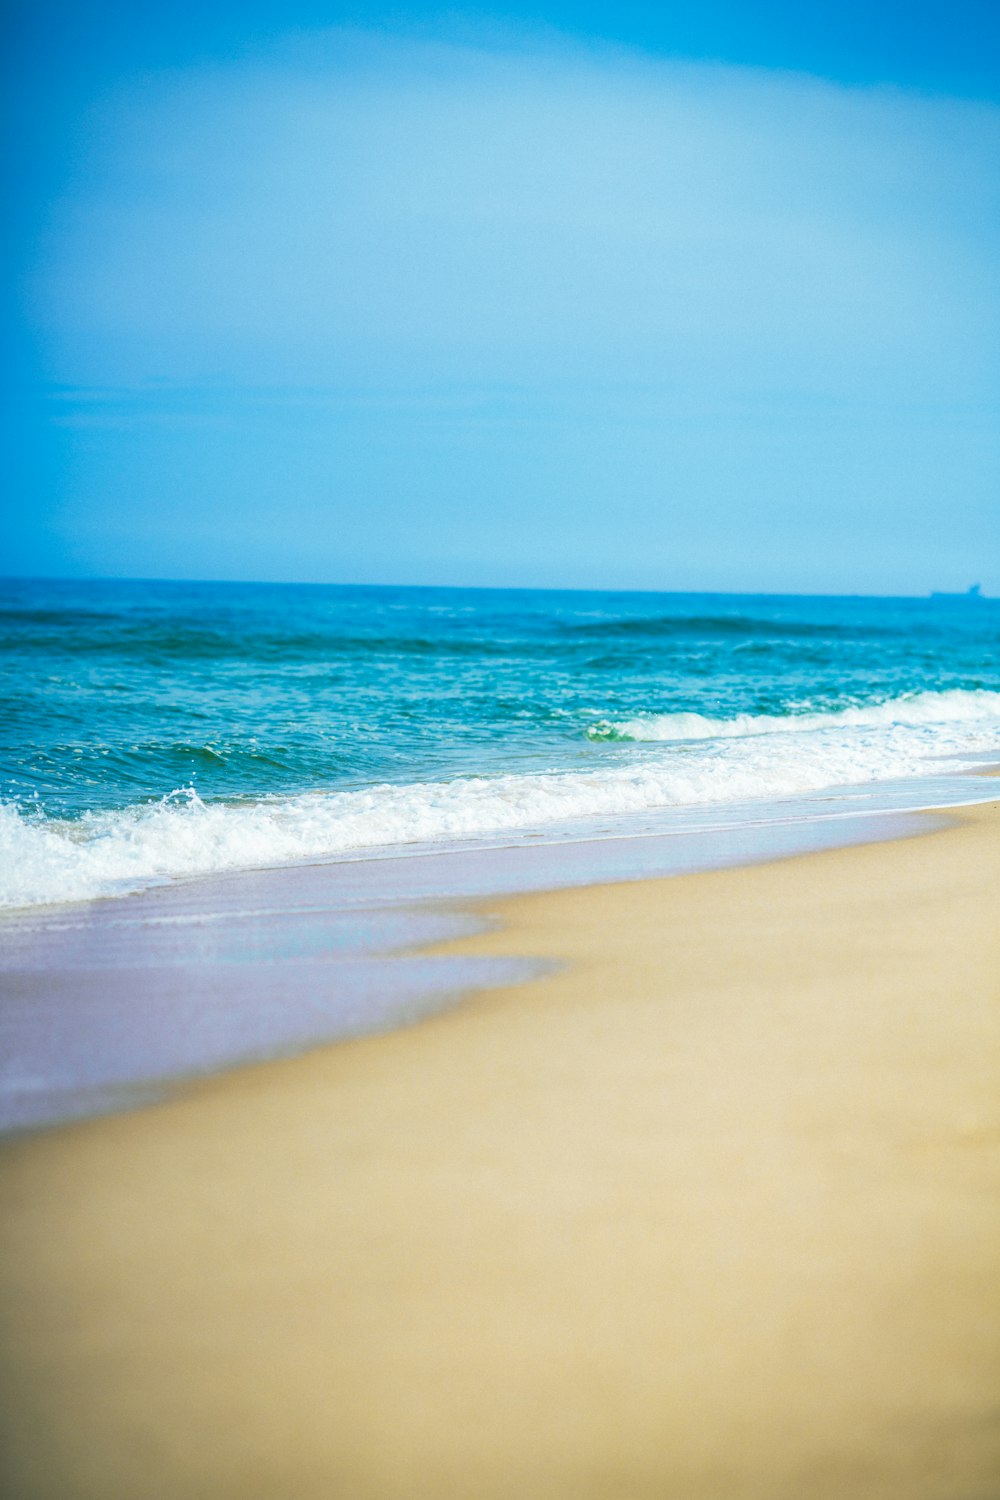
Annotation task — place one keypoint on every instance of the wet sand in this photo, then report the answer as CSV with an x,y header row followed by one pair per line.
x,y
711,1211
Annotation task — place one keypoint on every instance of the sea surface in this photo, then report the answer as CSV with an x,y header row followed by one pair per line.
x,y
150,731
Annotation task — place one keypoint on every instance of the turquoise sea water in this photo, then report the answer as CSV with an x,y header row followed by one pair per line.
x,y
151,730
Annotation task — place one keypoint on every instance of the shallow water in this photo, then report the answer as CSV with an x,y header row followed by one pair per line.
x,y
108,1004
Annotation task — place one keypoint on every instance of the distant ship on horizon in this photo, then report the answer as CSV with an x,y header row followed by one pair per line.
x,y
975,592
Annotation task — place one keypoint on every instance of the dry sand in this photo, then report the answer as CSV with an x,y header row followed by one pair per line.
x,y
713,1211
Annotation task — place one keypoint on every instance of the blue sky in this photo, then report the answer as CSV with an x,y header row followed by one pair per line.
x,y
653,297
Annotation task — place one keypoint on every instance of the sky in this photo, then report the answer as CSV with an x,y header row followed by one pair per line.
x,y
693,296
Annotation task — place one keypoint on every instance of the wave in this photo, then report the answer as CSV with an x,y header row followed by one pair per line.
x,y
103,636
953,706
722,625
707,762
54,617
94,633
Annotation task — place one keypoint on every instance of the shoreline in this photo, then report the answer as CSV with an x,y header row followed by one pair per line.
x,y
710,1212
875,800
249,966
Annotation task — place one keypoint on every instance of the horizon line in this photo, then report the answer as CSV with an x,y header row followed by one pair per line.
x,y
972,593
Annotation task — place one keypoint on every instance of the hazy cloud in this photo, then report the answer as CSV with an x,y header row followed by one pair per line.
x,y
376,210
376,309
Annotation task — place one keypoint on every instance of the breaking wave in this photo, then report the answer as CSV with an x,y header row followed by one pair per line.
x,y
699,761
957,706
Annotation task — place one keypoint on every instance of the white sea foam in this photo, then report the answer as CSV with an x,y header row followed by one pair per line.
x,y
701,761
953,707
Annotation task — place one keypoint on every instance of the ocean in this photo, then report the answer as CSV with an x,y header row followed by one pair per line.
x,y
155,730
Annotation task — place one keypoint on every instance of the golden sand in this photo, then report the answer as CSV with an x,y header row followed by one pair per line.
x,y
712,1211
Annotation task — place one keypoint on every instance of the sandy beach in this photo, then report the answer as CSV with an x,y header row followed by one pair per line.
x,y
708,1212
